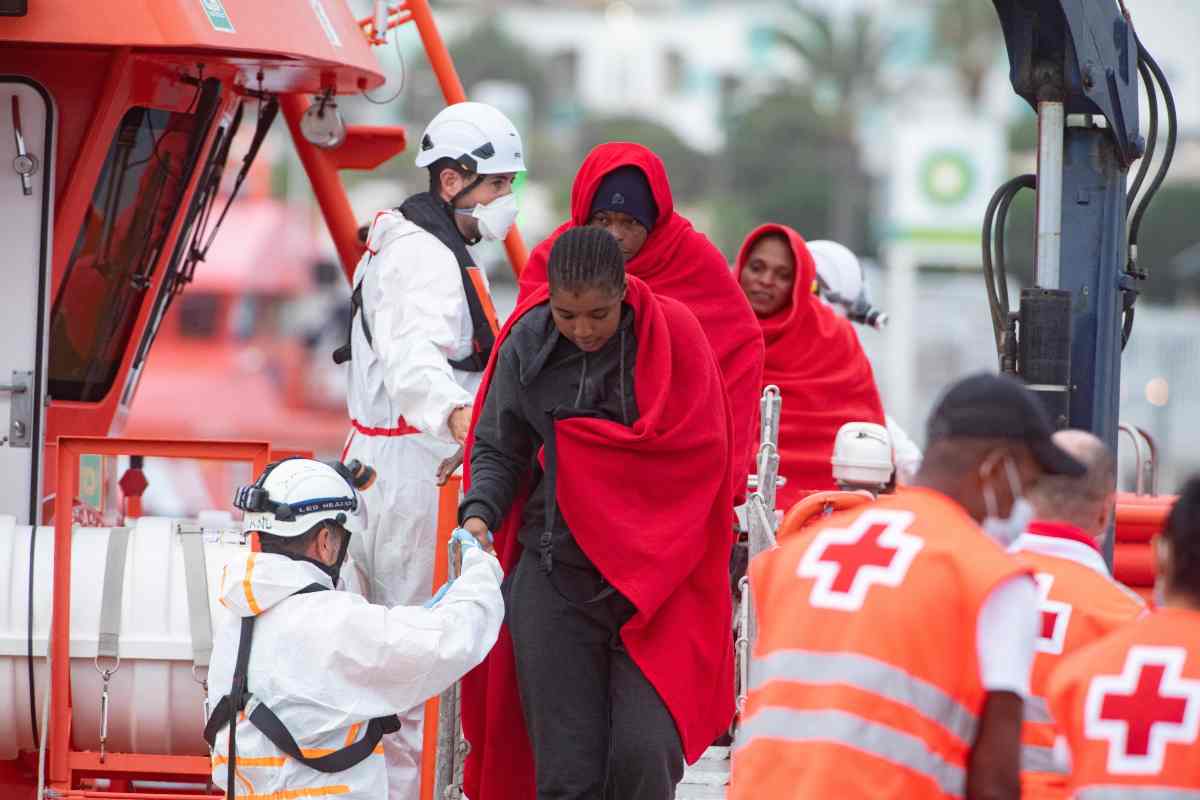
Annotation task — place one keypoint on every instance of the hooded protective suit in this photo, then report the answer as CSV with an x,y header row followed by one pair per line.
x,y
678,262
327,662
401,392
814,357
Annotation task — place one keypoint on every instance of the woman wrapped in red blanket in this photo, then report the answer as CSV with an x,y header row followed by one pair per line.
x,y
601,460
813,356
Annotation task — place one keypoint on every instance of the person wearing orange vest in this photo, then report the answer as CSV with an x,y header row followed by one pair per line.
x,y
1078,601
1128,705
895,639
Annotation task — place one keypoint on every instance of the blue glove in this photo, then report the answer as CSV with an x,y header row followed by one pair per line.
x,y
467,539
433,601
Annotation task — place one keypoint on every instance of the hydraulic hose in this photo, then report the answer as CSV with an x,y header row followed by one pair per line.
x,y
1168,152
995,267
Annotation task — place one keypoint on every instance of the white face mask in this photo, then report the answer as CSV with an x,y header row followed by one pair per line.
x,y
495,218
1005,530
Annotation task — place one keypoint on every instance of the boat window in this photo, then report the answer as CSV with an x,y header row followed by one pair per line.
x,y
136,199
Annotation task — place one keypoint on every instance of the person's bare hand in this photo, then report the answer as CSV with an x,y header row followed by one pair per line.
x,y
460,423
478,528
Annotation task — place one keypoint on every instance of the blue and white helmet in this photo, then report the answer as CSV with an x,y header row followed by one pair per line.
x,y
294,495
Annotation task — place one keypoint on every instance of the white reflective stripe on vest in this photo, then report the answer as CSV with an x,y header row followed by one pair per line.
x,y
1136,793
1037,710
1040,759
856,733
870,675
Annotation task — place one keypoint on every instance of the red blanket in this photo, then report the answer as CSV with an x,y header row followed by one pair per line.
x,y
679,262
814,357
654,523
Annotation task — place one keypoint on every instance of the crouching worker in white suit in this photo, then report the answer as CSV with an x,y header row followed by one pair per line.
x,y
310,679
420,337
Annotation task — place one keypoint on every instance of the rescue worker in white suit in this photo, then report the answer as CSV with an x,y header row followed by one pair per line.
x,y
420,337
842,286
320,674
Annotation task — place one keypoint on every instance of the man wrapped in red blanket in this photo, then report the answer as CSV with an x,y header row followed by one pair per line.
x,y
623,188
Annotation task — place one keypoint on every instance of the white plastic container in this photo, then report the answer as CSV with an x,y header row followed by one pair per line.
x,y
155,703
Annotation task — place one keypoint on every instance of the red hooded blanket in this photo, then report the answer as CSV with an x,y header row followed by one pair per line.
x,y
814,357
679,262
654,524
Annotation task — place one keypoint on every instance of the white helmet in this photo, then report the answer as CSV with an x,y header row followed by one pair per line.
x,y
294,495
839,271
476,136
862,456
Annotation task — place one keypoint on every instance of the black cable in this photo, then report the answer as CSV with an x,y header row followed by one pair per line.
x,y
403,75
1151,136
1168,153
995,268
33,719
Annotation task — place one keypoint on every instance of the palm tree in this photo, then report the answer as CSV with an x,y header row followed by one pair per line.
x,y
845,77
967,36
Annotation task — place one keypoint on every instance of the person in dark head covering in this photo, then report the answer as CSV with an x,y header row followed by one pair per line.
x,y
623,187
624,206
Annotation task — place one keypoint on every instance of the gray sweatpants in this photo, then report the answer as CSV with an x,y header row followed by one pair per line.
x,y
598,729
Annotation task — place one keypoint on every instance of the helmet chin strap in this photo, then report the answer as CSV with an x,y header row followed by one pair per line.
x,y
452,210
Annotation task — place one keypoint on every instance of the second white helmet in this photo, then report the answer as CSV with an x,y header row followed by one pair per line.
x,y
862,456
478,137
838,269
296,494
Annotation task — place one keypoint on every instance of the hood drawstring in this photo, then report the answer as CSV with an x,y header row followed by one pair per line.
x,y
624,407
582,380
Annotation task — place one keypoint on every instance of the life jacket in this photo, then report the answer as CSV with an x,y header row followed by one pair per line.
x,y
865,678
430,215
1077,605
228,709
1129,708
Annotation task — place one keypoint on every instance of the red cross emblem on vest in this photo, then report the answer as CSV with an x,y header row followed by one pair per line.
x,y
1055,616
1142,710
844,563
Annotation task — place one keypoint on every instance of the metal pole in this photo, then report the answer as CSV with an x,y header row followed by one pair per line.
x,y
1051,127
327,186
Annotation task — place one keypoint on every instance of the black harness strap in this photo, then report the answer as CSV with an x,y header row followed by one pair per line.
x,y
425,212
345,353
262,717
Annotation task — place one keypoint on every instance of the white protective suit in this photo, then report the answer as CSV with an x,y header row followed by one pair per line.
x,y
327,662
905,453
401,393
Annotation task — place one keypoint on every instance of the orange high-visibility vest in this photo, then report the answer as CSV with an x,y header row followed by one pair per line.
x,y
865,678
1129,707
1078,605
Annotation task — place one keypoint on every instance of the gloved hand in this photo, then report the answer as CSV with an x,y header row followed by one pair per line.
x,y
462,540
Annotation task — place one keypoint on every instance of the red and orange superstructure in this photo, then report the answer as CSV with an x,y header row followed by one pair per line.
x,y
120,116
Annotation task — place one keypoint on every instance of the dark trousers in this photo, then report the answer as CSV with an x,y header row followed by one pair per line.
x,y
599,730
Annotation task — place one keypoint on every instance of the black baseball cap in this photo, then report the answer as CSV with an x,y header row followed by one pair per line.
x,y
989,406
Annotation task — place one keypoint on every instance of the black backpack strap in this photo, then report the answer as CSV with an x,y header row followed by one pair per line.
x,y
345,352
483,338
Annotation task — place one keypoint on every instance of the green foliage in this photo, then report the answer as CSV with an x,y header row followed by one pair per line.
x,y
844,65
968,37
785,165
690,172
